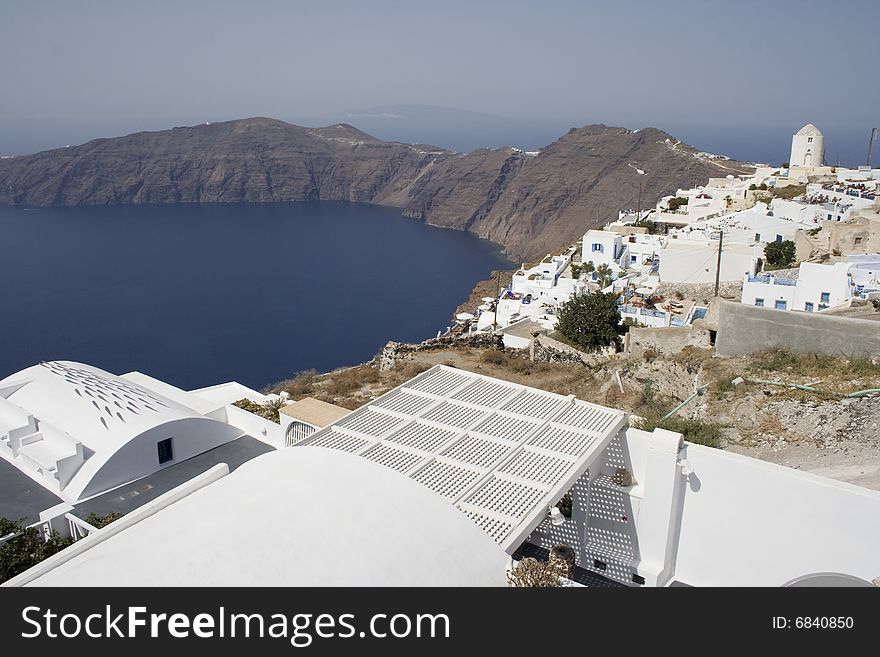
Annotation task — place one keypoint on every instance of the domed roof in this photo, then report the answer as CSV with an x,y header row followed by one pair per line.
x,y
809,130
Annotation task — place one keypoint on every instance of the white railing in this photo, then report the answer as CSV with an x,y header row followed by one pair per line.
x,y
79,528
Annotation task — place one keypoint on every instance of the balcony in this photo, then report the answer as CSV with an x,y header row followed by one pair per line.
x,y
769,279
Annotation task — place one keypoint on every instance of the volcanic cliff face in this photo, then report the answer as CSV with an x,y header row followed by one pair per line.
x,y
530,204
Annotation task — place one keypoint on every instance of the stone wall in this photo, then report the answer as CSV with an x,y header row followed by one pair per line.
x,y
395,351
545,349
665,341
744,329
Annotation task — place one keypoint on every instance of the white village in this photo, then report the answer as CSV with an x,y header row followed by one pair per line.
x,y
458,478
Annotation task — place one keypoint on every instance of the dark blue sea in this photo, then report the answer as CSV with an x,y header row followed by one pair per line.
x,y
198,295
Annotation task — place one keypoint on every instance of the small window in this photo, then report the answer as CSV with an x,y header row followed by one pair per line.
x,y
822,306
825,297
830,217
599,565
858,241
781,304
633,258
778,239
759,303
808,307
757,237
166,450
638,579
809,140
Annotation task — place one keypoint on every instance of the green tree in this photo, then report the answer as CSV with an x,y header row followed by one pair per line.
x,y
590,321
27,548
604,276
675,203
779,254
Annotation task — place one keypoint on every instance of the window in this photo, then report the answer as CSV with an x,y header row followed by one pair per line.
x,y
808,307
633,258
759,303
825,297
858,241
757,237
809,140
166,450
780,304
599,248
778,238
830,217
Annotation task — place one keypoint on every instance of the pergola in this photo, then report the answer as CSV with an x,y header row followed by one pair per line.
x,y
502,453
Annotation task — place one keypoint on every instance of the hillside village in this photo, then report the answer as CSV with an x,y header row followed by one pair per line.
x,y
745,336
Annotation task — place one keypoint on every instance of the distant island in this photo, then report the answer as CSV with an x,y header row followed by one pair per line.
x,y
529,202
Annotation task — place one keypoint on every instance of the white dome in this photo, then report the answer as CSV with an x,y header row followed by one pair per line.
x,y
809,130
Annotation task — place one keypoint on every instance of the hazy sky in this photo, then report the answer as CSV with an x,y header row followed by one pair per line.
x,y
626,62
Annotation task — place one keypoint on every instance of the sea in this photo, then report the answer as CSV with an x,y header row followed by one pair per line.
x,y
197,295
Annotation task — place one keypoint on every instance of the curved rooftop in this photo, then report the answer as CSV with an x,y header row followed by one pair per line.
x,y
809,130
87,403
331,519
63,422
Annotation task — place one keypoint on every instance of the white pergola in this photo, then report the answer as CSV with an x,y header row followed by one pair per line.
x,y
500,452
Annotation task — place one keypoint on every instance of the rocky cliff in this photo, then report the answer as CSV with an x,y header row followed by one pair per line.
x,y
531,204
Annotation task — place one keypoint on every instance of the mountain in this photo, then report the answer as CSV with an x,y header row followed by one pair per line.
x,y
531,204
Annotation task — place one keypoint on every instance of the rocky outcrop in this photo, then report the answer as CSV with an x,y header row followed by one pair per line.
x,y
530,204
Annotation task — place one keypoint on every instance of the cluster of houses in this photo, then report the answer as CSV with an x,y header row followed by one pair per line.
x,y
452,477
717,233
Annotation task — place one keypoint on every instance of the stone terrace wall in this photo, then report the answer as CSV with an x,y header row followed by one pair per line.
x,y
666,341
395,351
744,329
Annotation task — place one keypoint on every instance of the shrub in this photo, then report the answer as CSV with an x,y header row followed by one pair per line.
x,y
493,357
531,573
779,254
675,203
590,321
269,412
26,549
696,431
102,521
779,360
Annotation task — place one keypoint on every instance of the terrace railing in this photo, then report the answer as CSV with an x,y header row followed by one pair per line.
x,y
772,280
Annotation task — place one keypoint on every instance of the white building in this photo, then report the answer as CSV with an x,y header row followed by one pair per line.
x,y
696,261
436,481
602,247
807,148
78,431
818,287
535,293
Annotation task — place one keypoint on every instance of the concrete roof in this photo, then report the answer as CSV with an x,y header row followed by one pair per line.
x,y
129,497
524,329
90,405
303,516
21,496
499,452
314,411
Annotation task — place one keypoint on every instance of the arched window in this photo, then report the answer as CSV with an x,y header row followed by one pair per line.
x,y
296,432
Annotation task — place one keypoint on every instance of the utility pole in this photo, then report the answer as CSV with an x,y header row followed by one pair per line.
x,y
639,204
497,298
871,143
718,263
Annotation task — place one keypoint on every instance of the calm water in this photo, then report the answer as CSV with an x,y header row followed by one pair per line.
x,y
198,295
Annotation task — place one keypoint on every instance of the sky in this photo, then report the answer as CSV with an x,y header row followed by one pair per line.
x,y
73,69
